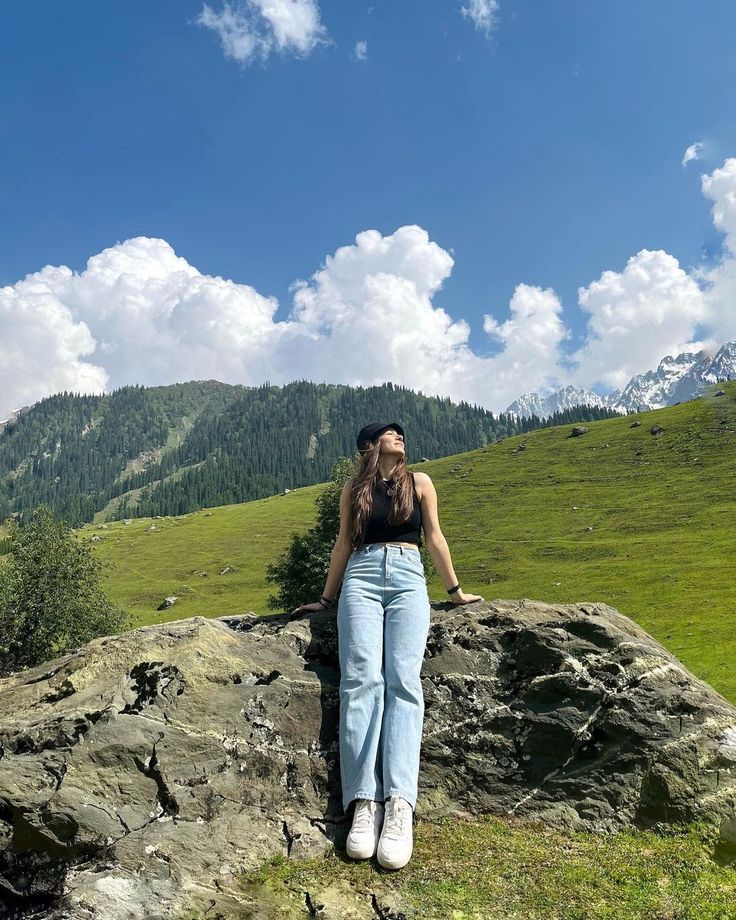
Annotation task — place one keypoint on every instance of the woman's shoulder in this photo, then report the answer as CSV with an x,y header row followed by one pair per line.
x,y
421,481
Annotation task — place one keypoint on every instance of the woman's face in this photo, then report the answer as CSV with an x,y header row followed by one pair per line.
x,y
391,442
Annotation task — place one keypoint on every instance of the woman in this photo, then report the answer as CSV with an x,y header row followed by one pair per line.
x,y
383,621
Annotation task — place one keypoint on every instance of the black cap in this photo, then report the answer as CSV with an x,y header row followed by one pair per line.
x,y
370,432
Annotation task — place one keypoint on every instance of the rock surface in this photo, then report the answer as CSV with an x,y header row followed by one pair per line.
x,y
141,774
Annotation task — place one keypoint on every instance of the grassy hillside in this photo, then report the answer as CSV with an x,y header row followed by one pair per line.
x,y
643,522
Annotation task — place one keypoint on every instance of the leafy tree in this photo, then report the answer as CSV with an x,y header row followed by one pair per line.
x,y
302,569
51,600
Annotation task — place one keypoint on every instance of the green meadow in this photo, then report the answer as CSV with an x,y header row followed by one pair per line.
x,y
640,521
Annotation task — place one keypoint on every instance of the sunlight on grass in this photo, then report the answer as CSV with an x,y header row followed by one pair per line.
x,y
500,868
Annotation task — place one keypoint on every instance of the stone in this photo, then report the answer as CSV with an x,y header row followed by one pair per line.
x,y
578,430
155,766
167,602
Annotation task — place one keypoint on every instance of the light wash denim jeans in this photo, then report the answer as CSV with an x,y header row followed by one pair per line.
x,y
383,622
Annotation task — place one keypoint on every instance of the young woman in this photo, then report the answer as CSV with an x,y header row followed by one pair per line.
x,y
383,621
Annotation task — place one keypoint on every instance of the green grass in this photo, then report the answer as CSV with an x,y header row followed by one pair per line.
x,y
503,868
660,551
148,565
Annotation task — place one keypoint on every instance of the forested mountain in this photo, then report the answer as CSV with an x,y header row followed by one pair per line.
x,y
141,451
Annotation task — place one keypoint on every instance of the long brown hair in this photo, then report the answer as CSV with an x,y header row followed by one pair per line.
x,y
365,478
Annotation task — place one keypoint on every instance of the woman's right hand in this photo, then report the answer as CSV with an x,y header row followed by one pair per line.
x,y
308,608
460,597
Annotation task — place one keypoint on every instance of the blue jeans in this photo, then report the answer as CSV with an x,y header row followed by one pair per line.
x,y
383,622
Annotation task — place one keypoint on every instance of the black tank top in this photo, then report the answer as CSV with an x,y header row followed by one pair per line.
x,y
378,530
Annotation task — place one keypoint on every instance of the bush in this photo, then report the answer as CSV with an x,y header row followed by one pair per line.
x,y
302,569
51,600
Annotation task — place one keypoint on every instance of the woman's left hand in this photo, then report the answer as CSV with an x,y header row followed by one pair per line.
x,y
460,597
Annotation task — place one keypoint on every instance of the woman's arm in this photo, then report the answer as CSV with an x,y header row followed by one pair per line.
x,y
343,545
436,543
339,557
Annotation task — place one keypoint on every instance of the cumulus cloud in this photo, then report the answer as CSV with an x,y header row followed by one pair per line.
x,y
650,309
692,153
719,280
720,188
42,346
531,340
371,307
360,52
374,302
482,13
145,315
257,28
140,313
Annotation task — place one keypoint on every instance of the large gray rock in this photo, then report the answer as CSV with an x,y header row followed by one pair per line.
x,y
141,774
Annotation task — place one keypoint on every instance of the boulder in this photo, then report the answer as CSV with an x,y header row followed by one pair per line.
x,y
142,773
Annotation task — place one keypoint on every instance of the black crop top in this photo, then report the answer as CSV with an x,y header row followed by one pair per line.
x,y
378,530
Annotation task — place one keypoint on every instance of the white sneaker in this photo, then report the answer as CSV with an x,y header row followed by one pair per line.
x,y
395,843
363,837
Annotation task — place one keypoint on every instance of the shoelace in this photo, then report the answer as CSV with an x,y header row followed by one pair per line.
x,y
364,814
397,811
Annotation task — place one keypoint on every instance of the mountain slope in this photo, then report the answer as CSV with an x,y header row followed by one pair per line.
x,y
169,450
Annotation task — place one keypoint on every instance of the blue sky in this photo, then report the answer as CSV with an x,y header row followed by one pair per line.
x,y
543,151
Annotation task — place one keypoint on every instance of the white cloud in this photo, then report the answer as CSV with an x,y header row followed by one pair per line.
x,y
367,316
692,153
720,188
654,307
361,51
482,13
257,28
719,280
650,309
139,313
151,317
370,310
42,346
531,341
373,305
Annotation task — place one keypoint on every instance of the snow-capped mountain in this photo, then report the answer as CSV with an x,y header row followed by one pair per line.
x,y
543,406
675,380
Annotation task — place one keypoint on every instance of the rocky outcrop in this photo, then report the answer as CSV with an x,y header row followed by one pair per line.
x,y
141,774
